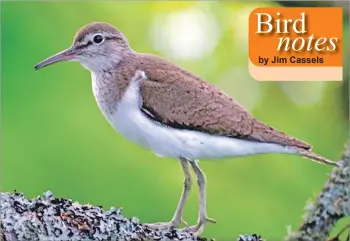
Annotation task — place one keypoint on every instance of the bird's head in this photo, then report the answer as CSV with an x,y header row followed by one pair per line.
x,y
96,46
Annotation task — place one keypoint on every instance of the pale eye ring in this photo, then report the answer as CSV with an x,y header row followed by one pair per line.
x,y
98,39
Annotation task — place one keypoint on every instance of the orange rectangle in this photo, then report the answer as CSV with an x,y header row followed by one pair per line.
x,y
296,37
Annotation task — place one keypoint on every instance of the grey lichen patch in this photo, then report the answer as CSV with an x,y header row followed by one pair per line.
x,y
57,219
332,204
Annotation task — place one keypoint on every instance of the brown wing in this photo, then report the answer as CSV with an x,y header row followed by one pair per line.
x,y
177,98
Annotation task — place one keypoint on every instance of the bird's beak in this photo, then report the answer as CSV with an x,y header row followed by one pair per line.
x,y
64,55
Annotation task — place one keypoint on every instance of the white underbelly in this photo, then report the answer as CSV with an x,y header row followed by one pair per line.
x,y
169,142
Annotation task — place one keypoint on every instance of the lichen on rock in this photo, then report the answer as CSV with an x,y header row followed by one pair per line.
x,y
56,219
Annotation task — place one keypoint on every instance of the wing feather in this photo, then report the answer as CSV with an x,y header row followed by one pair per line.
x,y
177,98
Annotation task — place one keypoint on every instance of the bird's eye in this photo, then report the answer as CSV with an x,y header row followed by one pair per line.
x,y
98,39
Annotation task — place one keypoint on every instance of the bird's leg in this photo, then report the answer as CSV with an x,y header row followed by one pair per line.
x,y
202,218
177,218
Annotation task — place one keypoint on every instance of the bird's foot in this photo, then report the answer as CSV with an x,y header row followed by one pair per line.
x,y
199,227
166,225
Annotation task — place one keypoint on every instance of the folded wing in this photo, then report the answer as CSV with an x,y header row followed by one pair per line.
x,y
179,99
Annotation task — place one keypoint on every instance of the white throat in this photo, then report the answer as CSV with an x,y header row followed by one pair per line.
x,y
99,63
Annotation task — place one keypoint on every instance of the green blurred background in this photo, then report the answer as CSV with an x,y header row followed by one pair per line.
x,y
55,138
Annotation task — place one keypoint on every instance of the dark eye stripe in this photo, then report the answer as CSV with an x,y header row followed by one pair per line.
x,y
84,45
110,38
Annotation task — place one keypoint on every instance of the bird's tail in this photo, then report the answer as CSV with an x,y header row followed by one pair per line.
x,y
312,156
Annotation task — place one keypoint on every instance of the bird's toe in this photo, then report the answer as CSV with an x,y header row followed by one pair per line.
x,y
199,227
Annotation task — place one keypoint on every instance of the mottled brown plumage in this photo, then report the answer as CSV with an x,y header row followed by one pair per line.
x,y
181,99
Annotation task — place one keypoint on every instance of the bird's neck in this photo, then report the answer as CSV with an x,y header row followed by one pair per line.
x,y
109,85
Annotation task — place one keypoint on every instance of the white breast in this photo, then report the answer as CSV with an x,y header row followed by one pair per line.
x,y
128,120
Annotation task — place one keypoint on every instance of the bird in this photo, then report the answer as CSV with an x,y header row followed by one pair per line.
x,y
171,111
